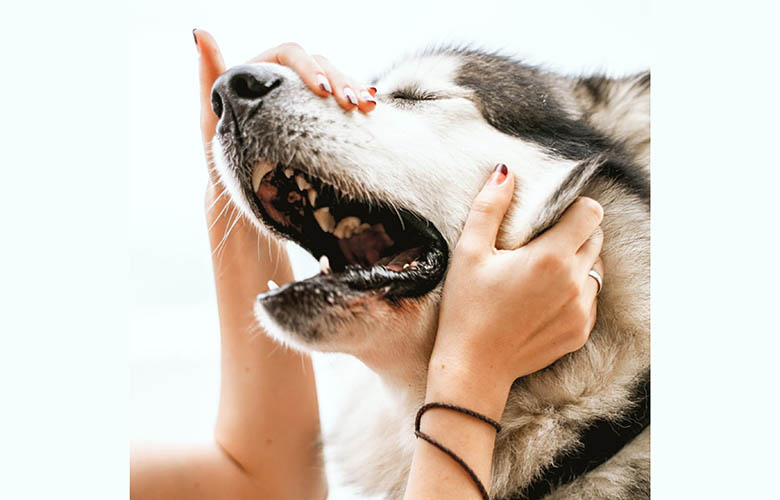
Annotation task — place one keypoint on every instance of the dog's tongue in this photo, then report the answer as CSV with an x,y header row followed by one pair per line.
x,y
366,247
402,260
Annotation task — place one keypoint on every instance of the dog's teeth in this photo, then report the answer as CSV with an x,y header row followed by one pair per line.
x,y
288,172
325,265
312,197
303,184
325,219
272,285
406,266
257,177
346,227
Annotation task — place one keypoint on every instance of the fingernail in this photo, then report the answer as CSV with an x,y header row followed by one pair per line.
x,y
372,90
499,173
367,97
350,95
196,38
323,83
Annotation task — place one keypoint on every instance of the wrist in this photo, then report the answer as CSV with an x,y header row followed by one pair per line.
x,y
468,385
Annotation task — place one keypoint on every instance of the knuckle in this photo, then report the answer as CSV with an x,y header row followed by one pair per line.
x,y
573,290
467,249
597,236
549,262
321,59
483,206
583,316
290,47
591,209
577,339
581,338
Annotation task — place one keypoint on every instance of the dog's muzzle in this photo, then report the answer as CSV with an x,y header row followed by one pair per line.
x,y
239,93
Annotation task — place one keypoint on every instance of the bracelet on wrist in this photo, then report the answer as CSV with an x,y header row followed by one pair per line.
x,y
448,406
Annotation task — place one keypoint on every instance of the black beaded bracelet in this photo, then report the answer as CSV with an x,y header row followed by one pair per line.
x,y
446,450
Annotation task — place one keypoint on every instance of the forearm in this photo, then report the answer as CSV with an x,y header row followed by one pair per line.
x,y
192,473
268,420
436,475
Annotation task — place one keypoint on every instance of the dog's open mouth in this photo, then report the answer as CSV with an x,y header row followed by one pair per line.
x,y
367,247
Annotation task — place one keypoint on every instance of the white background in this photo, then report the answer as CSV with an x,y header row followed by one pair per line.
x,y
104,256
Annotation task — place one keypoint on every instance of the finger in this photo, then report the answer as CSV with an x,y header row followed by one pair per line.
x,y
590,250
211,66
488,210
344,89
593,313
297,59
575,226
367,101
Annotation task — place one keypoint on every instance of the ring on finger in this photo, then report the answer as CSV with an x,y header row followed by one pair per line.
x,y
599,280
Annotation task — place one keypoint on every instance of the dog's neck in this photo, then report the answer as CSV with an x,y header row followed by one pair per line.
x,y
404,368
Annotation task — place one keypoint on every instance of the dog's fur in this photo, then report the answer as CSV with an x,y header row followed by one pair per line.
x,y
562,137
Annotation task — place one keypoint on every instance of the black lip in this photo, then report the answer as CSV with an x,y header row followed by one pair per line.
x,y
410,283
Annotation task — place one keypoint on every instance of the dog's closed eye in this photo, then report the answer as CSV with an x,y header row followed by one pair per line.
x,y
413,94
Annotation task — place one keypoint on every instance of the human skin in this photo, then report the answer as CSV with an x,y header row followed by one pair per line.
x,y
485,341
268,415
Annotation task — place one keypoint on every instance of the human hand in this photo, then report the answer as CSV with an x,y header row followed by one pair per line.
x,y
508,313
317,73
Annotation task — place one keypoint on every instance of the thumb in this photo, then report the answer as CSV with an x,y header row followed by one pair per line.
x,y
211,66
488,210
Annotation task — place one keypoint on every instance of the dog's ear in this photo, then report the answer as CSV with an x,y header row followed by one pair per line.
x,y
599,91
618,108
569,189
613,164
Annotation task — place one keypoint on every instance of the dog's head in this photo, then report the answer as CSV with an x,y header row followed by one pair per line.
x,y
383,197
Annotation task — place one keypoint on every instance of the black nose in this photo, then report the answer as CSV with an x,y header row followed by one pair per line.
x,y
242,88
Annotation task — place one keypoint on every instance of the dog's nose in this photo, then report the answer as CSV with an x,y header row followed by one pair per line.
x,y
241,88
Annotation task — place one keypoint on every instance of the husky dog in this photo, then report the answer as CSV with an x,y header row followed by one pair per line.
x,y
381,198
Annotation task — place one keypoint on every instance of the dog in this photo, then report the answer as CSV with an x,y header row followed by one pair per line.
x,y
380,200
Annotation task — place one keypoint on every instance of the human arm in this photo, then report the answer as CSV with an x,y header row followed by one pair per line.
x,y
268,423
504,314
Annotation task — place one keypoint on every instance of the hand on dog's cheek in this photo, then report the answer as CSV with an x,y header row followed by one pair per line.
x,y
506,314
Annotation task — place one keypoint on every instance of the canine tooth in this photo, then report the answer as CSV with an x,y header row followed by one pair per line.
x,y
288,172
325,219
257,177
303,184
312,196
346,227
272,285
324,264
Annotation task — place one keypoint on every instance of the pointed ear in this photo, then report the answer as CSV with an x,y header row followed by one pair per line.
x,y
620,109
601,91
569,190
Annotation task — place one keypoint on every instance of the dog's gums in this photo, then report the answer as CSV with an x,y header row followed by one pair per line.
x,y
390,251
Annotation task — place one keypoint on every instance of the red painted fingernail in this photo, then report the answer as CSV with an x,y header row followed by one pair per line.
x,y
500,173
372,90
196,38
